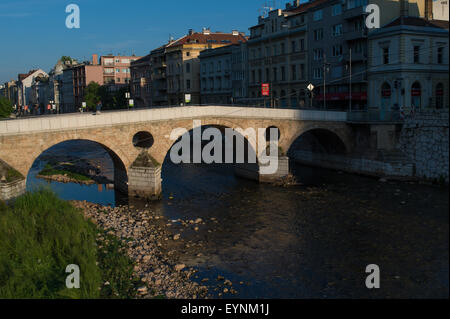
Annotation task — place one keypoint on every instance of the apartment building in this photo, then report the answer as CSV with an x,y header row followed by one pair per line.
x,y
183,63
159,76
116,70
141,81
216,76
24,83
10,91
278,56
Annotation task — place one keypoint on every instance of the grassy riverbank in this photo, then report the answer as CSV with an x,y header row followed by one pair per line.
x,y
50,172
41,235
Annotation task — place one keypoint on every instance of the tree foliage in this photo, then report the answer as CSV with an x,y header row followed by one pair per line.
x,y
6,107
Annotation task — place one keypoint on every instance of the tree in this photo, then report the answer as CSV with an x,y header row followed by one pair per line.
x,y
6,107
92,95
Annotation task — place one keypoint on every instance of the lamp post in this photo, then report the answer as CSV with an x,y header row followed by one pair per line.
x,y
127,96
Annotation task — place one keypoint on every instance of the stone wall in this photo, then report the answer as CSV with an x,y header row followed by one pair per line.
x,y
12,190
145,182
424,140
354,164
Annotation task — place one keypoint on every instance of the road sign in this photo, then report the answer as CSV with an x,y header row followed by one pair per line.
x,y
187,98
265,89
131,103
310,87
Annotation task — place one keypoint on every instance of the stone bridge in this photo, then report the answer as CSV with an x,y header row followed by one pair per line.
x,y
22,141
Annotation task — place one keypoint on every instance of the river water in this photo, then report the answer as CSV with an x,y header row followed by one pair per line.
x,y
309,241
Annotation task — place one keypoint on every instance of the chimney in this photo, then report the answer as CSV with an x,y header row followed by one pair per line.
x,y
94,59
429,9
404,8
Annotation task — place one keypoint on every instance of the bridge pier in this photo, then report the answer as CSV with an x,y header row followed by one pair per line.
x,y
253,171
144,178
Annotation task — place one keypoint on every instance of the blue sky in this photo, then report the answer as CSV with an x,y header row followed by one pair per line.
x,y
34,34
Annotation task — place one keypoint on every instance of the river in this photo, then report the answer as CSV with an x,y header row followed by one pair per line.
x,y
309,241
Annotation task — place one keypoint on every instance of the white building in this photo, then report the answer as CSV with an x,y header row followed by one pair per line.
x,y
440,10
408,66
24,86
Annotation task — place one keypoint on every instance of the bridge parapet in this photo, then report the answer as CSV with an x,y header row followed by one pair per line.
x,y
87,120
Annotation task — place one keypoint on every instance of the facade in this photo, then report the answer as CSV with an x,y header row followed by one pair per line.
x,y
278,56
183,63
409,63
55,83
215,76
116,70
159,76
239,73
338,54
141,82
39,94
67,99
10,91
24,90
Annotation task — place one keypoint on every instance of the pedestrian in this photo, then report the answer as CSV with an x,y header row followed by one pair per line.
x,y
99,107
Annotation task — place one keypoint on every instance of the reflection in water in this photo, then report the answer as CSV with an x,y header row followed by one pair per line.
x,y
311,241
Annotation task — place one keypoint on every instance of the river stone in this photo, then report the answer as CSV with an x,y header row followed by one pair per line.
x,y
180,267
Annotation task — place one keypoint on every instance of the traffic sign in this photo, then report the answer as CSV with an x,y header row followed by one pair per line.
x,y
310,87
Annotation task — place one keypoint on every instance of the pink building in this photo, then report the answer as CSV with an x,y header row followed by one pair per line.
x,y
116,69
82,75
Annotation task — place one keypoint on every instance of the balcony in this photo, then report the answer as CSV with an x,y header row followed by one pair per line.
x,y
354,13
355,35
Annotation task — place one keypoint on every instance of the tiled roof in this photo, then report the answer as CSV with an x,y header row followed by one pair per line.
x,y
419,22
144,59
305,7
24,76
212,38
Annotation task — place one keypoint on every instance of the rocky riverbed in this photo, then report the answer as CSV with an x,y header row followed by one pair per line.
x,y
156,247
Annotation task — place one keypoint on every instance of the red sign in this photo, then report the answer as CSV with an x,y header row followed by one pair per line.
x,y
265,89
416,92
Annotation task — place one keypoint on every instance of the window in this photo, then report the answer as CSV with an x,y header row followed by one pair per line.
x,y
267,75
317,73
337,30
440,57
188,84
275,74
188,53
337,50
302,71
302,45
294,46
318,15
416,54
416,95
351,4
318,34
188,68
318,54
337,9
385,55
294,72
439,96
283,49
283,74
253,77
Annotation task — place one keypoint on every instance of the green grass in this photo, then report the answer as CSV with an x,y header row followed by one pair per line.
x,y
12,175
50,171
40,235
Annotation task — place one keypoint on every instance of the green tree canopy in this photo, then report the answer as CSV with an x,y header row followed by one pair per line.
x,y
6,107
92,95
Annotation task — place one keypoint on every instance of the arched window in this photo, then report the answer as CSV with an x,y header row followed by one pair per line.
x,y
439,96
416,95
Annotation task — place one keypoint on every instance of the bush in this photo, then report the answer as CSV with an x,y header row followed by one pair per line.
x,y
40,236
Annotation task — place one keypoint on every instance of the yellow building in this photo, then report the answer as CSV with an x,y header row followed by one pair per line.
x,y
183,63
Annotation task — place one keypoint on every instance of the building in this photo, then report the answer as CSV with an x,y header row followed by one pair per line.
x,y
55,83
116,70
24,91
239,73
215,74
408,66
159,76
39,96
183,64
75,79
141,82
278,56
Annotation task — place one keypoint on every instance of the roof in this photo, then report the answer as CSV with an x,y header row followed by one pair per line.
x,y
23,76
419,22
209,38
305,7
144,59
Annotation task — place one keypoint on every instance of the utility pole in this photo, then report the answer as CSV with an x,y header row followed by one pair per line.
x,y
325,69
